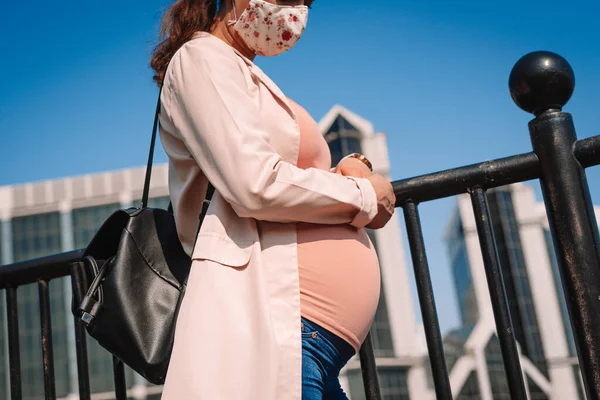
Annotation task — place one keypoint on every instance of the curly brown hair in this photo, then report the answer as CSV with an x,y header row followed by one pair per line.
x,y
178,25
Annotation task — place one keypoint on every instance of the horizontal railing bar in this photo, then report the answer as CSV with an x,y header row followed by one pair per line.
x,y
587,151
487,175
44,268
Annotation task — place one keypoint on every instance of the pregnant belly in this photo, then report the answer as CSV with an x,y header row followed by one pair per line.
x,y
339,279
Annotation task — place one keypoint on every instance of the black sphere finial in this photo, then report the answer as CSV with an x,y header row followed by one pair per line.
x,y
541,81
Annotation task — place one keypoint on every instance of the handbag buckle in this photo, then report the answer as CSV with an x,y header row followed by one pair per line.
x,y
90,309
86,318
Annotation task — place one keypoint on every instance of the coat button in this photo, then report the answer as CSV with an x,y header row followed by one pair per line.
x,y
314,335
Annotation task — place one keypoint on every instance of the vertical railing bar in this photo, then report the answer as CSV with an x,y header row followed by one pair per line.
x,y
80,336
369,370
14,355
431,323
119,375
82,361
504,328
47,351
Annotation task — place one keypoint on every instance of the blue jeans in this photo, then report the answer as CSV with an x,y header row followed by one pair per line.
x,y
323,356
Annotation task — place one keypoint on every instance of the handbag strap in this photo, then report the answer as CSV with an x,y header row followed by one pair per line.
x,y
209,191
146,192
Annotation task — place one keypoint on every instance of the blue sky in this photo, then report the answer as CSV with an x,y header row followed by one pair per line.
x,y
77,95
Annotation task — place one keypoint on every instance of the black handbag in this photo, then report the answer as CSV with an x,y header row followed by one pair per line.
x,y
134,274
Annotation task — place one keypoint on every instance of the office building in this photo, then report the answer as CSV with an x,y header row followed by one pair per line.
x,y
535,297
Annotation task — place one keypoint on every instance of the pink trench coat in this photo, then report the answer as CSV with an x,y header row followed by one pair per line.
x,y
238,333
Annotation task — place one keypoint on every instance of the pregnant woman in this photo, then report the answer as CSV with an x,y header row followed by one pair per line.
x,y
284,281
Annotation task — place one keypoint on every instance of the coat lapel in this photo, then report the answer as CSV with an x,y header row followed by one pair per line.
x,y
273,88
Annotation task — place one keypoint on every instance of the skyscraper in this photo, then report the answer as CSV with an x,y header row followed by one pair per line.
x,y
535,297
50,217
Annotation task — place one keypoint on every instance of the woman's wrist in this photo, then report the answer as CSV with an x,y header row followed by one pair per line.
x,y
362,159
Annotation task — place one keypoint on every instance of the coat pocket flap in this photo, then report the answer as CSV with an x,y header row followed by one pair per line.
x,y
222,250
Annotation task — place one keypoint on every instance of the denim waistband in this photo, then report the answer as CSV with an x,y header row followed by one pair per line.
x,y
344,348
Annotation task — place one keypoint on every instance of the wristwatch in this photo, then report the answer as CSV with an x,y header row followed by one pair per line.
x,y
362,159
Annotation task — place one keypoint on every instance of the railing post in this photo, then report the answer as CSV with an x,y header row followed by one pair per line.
x,y
542,83
369,370
14,352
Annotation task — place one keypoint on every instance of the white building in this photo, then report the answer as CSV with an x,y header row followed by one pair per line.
x,y
535,297
49,217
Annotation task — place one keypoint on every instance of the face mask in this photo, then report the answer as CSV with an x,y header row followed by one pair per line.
x,y
270,29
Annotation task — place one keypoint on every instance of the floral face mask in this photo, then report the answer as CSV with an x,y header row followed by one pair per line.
x,y
270,29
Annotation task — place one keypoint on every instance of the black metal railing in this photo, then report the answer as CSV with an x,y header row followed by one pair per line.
x,y
540,83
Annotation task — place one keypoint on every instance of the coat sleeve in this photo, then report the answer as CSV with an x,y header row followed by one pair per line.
x,y
215,111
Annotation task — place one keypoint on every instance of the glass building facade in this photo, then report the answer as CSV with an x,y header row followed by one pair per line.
x,y
461,272
517,282
393,382
518,289
495,368
343,139
564,310
381,332
36,236
470,390
560,293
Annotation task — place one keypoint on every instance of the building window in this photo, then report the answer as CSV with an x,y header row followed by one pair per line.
x,y
335,148
470,389
560,294
37,236
87,221
579,382
159,202
381,332
535,391
461,271
495,367
516,278
343,139
454,342
393,383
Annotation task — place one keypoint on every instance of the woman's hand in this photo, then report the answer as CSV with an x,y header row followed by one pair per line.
x,y
386,201
353,167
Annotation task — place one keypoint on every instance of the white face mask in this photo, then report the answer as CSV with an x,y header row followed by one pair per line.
x,y
270,29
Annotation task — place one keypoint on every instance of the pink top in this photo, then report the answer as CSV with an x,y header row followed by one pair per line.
x,y
338,265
